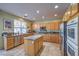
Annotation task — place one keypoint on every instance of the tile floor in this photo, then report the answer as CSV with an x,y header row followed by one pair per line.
x,y
50,49
17,51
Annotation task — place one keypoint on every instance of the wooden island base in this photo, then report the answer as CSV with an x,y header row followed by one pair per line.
x,y
33,47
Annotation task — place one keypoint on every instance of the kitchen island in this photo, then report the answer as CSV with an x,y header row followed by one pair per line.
x,y
33,44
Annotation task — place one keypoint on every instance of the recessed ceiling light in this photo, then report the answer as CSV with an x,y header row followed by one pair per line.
x,y
55,15
25,15
43,17
37,11
68,12
56,6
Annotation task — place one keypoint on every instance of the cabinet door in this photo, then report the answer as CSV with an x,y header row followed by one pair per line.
x,y
55,38
44,38
40,42
29,47
10,42
56,26
51,26
74,8
47,37
36,26
36,47
48,26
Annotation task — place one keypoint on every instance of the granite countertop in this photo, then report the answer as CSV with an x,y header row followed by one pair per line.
x,y
33,37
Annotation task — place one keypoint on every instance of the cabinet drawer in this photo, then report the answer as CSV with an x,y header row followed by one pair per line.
x,y
10,46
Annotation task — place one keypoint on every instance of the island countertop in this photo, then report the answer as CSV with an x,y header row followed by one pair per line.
x,y
33,37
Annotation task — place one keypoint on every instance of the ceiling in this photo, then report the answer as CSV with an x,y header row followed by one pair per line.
x,y
46,10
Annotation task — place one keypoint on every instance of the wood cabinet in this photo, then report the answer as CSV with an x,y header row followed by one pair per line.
x,y
36,46
10,43
67,14
29,47
46,38
54,38
54,25
72,10
40,43
32,48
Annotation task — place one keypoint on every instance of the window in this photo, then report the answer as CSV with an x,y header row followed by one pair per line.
x,y
23,30
20,27
17,30
17,23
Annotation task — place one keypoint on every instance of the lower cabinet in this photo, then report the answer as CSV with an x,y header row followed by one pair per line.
x,y
13,41
46,38
40,43
9,43
54,38
36,46
33,48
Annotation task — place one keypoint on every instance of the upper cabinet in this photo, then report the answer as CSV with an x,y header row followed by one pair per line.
x,y
67,14
54,25
74,8
71,11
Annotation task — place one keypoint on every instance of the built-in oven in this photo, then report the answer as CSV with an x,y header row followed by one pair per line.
x,y
72,37
72,49
72,31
